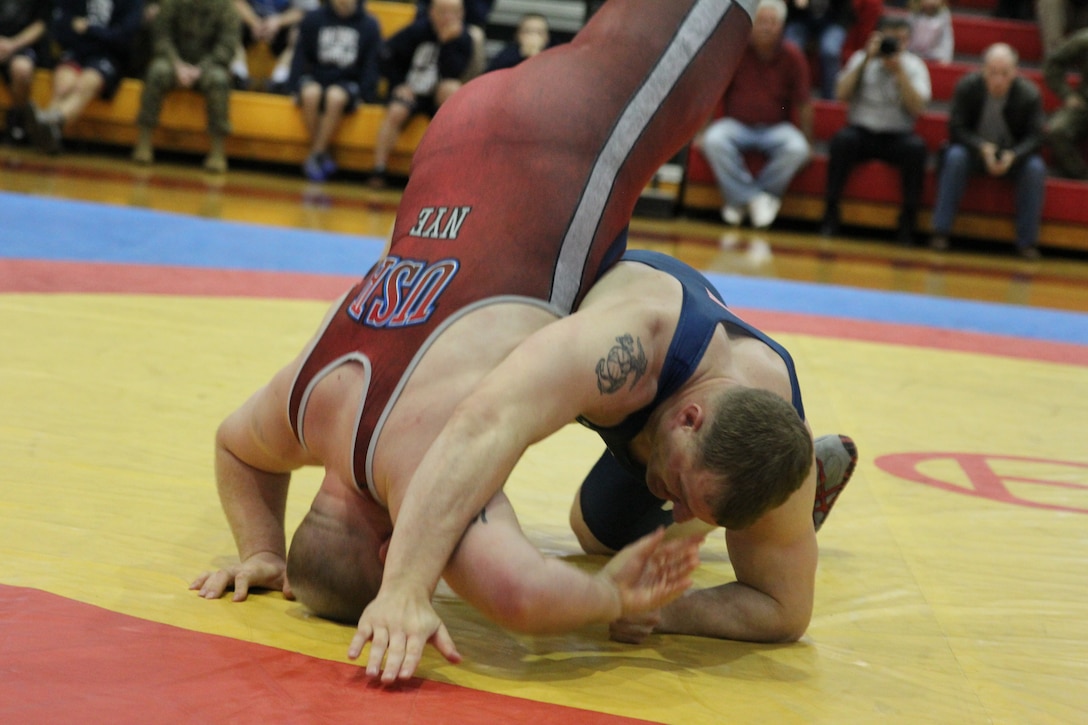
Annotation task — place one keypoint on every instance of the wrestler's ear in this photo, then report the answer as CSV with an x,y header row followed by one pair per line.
x,y
691,416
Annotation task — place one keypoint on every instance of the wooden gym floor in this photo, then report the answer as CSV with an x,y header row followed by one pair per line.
x,y
138,307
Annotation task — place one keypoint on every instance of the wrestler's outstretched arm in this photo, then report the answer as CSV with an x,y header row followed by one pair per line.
x,y
550,379
255,452
497,570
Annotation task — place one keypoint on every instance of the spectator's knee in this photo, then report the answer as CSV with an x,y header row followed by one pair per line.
x,y
956,157
217,78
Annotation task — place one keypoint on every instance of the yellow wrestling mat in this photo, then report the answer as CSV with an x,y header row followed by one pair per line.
x,y
951,591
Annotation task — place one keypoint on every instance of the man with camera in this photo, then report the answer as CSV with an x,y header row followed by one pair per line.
x,y
886,88
995,127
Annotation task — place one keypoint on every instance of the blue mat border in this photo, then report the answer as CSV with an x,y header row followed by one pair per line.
x,y
60,230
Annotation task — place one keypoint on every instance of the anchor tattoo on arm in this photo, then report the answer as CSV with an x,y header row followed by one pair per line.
x,y
626,360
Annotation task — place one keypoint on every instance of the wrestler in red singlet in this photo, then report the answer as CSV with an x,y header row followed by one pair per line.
x,y
524,183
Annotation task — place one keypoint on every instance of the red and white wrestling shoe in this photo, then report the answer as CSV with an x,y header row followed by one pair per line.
x,y
836,456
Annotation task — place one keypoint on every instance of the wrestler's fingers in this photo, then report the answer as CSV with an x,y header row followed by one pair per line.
x,y
443,642
199,581
214,585
394,656
410,658
362,635
241,587
379,641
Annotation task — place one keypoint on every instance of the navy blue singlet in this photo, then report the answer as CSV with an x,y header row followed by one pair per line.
x,y
701,311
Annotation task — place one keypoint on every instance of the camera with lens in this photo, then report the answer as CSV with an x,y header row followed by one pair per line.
x,y
889,46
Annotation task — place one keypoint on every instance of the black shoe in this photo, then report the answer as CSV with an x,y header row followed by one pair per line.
x,y
46,130
378,179
938,243
830,227
904,237
16,125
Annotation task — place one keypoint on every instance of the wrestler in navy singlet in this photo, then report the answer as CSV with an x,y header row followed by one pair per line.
x,y
523,186
616,504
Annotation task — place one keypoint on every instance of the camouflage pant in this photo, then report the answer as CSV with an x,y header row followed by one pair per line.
x,y
214,84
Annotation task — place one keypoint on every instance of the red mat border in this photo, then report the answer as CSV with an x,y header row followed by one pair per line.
x,y
67,661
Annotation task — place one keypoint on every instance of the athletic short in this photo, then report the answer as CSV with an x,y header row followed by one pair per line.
x,y
107,67
422,104
350,87
617,507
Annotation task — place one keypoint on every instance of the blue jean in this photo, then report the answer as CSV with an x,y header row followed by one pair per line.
x,y
829,39
1029,175
724,144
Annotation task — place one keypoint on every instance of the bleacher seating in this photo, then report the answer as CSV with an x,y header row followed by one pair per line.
x,y
269,128
266,127
872,195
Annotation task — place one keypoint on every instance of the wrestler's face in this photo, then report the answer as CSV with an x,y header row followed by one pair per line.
x,y
672,474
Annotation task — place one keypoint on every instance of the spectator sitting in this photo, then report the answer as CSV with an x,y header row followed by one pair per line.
x,y
886,88
476,15
533,35
274,23
824,22
1068,125
931,36
770,88
22,29
423,64
193,44
94,40
995,127
335,67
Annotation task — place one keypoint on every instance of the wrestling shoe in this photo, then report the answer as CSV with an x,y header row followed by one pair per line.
x,y
836,456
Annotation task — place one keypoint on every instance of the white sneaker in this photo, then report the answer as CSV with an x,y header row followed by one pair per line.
x,y
733,215
764,209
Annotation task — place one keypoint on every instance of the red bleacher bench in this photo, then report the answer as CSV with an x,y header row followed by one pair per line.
x,y
986,210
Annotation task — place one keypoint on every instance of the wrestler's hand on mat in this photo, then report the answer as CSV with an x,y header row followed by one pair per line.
x,y
398,624
264,570
651,572
635,628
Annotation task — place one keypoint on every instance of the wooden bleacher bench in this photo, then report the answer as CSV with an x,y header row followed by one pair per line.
x,y
266,127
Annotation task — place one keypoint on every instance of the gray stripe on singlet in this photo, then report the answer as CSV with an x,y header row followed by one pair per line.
x,y
701,23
